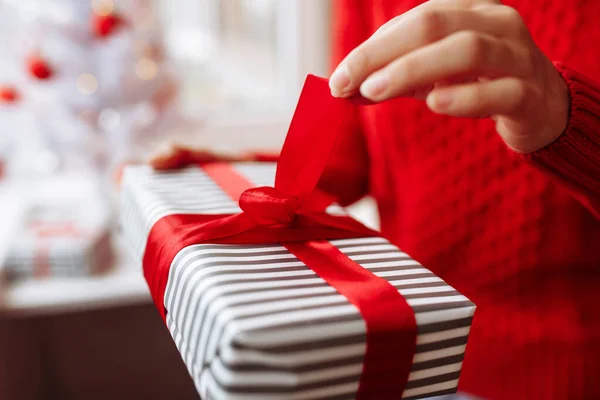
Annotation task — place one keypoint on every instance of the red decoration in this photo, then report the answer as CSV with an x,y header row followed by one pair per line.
x,y
105,25
8,95
39,68
292,213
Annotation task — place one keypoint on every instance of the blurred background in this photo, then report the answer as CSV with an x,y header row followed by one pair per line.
x,y
87,86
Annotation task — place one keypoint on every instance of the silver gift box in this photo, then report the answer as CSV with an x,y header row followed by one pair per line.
x,y
64,231
253,322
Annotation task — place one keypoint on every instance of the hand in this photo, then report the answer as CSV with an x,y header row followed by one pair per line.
x,y
176,156
468,58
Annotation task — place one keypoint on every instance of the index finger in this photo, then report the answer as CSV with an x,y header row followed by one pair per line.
x,y
375,52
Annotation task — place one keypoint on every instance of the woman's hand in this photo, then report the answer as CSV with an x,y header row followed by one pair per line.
x,y
468,58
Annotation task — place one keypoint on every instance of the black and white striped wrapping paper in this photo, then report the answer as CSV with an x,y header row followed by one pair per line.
x,y
60,255
253,322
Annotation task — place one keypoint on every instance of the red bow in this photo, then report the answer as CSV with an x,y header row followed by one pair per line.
x,y
268,206
293,214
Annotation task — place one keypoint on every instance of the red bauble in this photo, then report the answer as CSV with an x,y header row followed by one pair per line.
x,y
39,68
104,25
8,95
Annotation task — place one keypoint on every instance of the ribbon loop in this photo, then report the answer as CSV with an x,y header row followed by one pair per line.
x,y
267,206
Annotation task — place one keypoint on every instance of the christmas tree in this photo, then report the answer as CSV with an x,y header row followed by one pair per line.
x,y
79,81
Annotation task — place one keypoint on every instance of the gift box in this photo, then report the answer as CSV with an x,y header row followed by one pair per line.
x,y
60,235
275,293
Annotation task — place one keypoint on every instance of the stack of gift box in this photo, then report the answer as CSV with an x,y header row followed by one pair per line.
x,y
270,291
63,231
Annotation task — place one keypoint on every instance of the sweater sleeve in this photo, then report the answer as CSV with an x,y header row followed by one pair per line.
x,y
574,158
347,172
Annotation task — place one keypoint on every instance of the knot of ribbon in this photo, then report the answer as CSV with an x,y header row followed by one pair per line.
x,y
267,206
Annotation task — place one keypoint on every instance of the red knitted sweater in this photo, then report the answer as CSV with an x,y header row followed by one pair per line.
x,y
518,235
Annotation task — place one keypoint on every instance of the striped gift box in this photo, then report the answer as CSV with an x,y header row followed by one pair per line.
x,y
253,322
59,256
60,241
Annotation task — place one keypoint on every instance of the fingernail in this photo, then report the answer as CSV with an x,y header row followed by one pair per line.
x,y
374,86
440,100
339,81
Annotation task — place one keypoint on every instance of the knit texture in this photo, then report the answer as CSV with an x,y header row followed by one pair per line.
x,y
516,234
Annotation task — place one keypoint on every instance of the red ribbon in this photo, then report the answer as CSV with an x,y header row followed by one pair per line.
x,y
293,214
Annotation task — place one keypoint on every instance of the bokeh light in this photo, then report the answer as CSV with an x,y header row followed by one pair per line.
x,y
146,69
87,83
103,7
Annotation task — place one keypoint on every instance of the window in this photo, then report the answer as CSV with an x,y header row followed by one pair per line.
x,y
245,57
